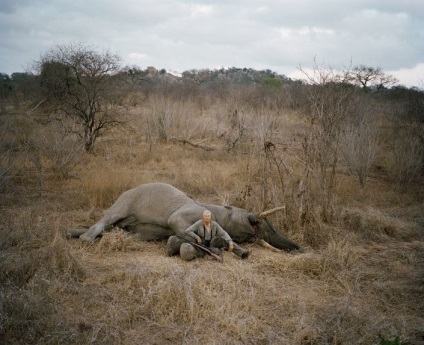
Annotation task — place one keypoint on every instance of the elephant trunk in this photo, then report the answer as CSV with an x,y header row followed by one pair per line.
x,y
283,243
277,240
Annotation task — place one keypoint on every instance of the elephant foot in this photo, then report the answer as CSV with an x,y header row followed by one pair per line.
x,y
187,252
173,246
86,238
75,233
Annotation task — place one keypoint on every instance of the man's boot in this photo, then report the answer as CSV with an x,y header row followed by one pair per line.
x,y
246,254
239,251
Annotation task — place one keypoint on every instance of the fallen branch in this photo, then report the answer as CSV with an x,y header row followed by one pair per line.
x,y
38,104
198,146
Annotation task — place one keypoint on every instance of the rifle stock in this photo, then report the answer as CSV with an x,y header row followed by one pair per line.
x,y
207,250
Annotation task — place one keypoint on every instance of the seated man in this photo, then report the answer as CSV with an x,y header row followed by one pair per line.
x,y
208,233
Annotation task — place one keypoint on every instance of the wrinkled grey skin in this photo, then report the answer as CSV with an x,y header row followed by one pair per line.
x,y
156,211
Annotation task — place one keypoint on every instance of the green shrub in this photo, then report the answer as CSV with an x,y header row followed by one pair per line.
x,y
394,341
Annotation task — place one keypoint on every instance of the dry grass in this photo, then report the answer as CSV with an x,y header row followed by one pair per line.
x,y
131,293
375,225
360,278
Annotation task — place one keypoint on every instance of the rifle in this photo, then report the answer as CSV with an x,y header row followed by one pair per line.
x,y
207,250
203,248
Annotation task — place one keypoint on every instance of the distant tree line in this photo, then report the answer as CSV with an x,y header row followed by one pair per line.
x,y
84,87
356,120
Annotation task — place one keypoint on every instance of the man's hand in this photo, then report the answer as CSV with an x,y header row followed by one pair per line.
x,y
231,247
199,240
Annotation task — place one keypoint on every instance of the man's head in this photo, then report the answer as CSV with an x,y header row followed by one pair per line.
x,y
207,216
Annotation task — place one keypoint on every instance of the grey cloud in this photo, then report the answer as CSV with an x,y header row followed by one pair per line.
x,y
10,6
206,34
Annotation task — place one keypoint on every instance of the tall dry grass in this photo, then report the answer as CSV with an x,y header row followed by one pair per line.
x,y
359,280
123,290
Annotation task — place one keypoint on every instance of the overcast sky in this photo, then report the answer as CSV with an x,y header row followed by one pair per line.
x,y
179,35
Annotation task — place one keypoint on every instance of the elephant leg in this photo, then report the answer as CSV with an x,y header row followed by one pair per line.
x,y
95,230
188,252
173,245
72,233
75,233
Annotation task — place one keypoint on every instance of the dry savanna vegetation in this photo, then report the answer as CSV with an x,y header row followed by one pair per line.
x,y
346,163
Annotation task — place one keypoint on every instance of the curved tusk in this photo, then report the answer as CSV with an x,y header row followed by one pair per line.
x,y
265,244
265,214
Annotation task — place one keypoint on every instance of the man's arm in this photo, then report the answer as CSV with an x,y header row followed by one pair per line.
x,y
193,231
220,232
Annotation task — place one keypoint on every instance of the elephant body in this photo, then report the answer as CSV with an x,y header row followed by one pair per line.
x,y
156,211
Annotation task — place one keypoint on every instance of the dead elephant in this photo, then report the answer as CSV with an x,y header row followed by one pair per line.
x,y
156,211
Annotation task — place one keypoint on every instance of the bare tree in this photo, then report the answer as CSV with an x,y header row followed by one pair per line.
x,y
197,77
368,77
238,129
78,84
406,152
62,149
361,141
329,99
161,114
7,158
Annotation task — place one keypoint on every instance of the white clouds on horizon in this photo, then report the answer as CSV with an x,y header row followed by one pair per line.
x,y
177,35
411,76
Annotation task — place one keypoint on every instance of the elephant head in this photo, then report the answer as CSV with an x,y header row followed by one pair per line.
x,y
245,226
